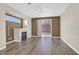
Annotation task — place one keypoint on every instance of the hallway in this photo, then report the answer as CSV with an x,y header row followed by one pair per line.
x,y
39,46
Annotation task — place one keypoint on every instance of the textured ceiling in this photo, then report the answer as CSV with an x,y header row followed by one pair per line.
x,y
40,9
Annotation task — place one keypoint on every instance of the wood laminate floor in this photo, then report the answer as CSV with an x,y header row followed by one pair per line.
x,y
38,46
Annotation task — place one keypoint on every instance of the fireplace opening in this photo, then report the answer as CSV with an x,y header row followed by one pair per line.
x,y
24,36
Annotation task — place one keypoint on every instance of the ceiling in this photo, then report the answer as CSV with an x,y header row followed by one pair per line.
x,y
40,9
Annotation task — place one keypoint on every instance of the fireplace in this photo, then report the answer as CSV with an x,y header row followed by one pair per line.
x,y
24,36
20,34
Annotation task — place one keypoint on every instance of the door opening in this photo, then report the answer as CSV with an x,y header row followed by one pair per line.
x,y
45,27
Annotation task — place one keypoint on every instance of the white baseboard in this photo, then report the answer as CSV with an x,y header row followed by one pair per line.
x,y
10,42
55,37
35,36
46,36
70,46
2,48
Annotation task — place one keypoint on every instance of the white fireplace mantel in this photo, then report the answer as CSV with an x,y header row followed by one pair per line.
x,y
17,34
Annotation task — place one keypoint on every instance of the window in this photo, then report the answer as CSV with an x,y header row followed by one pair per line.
x,y
13,19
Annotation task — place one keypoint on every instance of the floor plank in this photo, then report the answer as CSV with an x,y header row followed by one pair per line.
x,y
38,46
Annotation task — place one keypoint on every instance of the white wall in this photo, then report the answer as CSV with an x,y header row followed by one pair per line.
x,y
3,9
2,34
70,26
39,27
28,26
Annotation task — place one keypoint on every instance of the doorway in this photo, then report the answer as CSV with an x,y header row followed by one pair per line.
x,y
45,27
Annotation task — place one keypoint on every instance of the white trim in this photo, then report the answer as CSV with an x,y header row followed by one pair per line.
x,y
48,36
2,48
70,46
55,37
35,36
51,27
10,42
